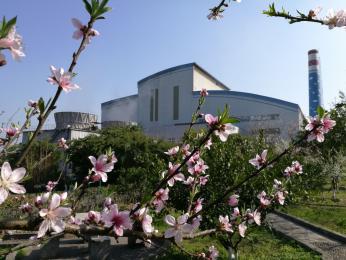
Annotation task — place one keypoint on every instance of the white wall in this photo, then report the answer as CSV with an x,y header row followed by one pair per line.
x,y
165,84
201,80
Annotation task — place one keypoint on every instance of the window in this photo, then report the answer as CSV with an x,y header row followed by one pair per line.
x,y
176,103
152,106
156,104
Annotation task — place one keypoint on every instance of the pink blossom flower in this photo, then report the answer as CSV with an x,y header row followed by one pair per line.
x,y
313,13
204,92
297,167
280,197
208,144
42,199
176,177
264,199
9,179
203,180
259,160
319,127
146,220
178,228
254,217
233,200
211,120
11,131
33,104
81,30
53,217
288,172
213,253
335,18
236,212
224,224
107,202
26,208
62,143
101,166
224,131
93,217
120,221
160,197
277,184
74,221
14,43
173,151
214,14
189,181
62,79
185,149
242,229
198,168
198,205
51,185
327,123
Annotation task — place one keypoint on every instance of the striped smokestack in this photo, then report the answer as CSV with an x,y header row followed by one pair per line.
x,y
315,88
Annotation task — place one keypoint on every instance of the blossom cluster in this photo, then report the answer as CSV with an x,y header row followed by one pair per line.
x,y
319,126
13,42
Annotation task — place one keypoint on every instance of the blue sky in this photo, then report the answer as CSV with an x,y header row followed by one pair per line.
x,y
245,50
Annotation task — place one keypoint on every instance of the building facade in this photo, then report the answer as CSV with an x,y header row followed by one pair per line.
x,y
166,100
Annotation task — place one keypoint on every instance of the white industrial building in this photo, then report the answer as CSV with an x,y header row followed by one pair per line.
x,y
166,100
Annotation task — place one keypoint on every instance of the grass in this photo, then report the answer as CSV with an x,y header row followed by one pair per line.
x,y
319,208
332,218
261,244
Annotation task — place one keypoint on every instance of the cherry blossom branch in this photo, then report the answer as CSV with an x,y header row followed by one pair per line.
x,y
293,19
43,117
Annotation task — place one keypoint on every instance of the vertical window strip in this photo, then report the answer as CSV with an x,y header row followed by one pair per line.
x,y
176,103
152,105
156,104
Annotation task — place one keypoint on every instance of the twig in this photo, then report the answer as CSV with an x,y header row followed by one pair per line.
x,y
44,116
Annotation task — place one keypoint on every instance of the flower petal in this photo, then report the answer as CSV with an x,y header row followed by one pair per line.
x,y
62,212
171,232
55,202
6,171
16,188
170,220
17,175
43,228
3,195
58,225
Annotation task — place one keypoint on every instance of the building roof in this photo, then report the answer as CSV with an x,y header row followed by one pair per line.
x,y
259,98
180,67
119,99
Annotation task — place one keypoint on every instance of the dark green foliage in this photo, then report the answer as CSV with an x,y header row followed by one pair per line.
x,y
140,159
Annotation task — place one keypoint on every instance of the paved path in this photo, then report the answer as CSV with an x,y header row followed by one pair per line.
x,y
310,237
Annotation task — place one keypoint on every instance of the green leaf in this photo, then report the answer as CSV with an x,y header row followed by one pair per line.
x,y
41,105
231,120
320,112
87,6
